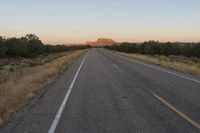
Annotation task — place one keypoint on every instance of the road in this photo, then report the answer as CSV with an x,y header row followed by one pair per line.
x,y
107,93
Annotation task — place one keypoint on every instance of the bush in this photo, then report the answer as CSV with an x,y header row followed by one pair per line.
x,y
30,46
156,48
196,50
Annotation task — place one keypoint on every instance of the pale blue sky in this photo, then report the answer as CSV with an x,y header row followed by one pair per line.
x,y
77,21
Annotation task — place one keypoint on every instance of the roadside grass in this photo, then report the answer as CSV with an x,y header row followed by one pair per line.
x,y
9,66
183,64
22,81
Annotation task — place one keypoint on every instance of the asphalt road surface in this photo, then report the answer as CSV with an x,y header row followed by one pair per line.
x,y
106,93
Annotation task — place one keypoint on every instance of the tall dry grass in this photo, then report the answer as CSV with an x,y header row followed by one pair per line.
x,y
183,65
24,85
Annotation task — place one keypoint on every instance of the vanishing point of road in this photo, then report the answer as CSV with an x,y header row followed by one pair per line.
x,y
106,93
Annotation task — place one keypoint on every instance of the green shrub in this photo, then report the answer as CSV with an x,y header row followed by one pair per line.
x,y
156,48
30,46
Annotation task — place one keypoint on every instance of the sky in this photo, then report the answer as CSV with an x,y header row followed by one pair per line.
x,y
78,21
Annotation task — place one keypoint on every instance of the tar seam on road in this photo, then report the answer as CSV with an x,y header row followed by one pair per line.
x,y
60,111
177,111
154,67
115,66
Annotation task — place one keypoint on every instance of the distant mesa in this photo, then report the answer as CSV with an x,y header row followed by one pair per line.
x,y
102,42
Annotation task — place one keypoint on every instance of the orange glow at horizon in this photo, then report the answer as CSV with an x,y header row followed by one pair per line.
x,y
135,38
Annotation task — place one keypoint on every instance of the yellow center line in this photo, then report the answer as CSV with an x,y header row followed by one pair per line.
x,y
177,111
116,66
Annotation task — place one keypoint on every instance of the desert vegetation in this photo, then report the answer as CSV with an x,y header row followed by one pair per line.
x,y
30,46
156,48
183,57
26,67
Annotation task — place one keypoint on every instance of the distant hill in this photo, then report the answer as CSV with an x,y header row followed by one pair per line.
x,y
102,42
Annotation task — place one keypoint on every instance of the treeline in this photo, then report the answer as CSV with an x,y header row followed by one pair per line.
x,y
30,46
157,48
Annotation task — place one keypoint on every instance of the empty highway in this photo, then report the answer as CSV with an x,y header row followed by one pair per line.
x,y
106,93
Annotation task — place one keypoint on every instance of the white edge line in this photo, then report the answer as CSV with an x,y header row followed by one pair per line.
x,y
60,111
139,62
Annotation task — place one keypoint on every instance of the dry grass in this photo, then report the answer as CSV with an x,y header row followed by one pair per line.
x,y
24,84
12,65
177,63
